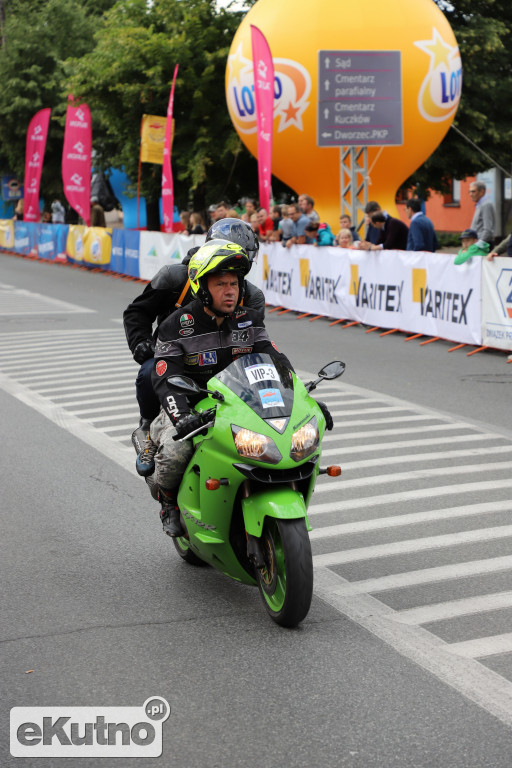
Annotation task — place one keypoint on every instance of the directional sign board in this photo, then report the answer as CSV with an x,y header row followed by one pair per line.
x,y
359,98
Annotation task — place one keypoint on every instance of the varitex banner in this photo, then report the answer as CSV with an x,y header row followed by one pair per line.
x,y
417,292
76,160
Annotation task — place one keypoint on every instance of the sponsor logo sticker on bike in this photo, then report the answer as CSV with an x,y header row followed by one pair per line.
x,y
261,372
186,331
161,367
271,398
208,358
186,320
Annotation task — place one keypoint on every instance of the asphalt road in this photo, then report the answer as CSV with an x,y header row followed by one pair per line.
x,y
97,609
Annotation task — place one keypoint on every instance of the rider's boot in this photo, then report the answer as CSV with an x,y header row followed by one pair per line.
x,y
170,513
145,447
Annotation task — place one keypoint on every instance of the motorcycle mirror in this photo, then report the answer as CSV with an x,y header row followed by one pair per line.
x,y
185,384
332,370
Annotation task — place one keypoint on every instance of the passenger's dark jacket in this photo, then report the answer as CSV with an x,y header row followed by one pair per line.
x,y
159,298
191,343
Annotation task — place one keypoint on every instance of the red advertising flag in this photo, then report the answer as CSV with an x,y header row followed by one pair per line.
x,y
167,183
76,160
263,68
34,156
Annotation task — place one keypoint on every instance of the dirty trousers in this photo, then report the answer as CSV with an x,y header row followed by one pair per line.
x,y
172,457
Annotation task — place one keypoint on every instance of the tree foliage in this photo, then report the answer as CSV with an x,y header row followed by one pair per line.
x,y
482,29
38,37
129,74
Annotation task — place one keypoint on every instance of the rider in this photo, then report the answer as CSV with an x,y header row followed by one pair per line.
x,y
167,291
200,340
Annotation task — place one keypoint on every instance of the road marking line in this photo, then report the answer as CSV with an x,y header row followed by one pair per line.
x,y
466,606
107,409
66,362
127,414
83,373
413,545
97,401
402,496
109,381
371,447
122,455
477,683
398,431
414,474
427,576
45,351
413,518
433,456
483,646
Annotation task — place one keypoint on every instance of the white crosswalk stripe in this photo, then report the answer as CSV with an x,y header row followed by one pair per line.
x,y
423,502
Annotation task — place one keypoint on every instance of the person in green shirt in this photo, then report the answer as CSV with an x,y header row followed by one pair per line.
x,y
471,246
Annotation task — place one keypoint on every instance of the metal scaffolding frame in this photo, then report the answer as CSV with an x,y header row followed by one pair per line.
x,y
354,182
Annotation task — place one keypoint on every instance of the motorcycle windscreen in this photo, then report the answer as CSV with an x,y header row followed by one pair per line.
x,y
261,381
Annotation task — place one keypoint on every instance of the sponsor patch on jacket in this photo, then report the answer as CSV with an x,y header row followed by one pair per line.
x,y
276,349
186,320
186,331
191,359
240,336
240,313
271,398
241,350
161,367
207,358
245,324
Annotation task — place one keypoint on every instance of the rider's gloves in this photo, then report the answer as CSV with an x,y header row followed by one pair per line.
x,y
187,424
143,351
329,423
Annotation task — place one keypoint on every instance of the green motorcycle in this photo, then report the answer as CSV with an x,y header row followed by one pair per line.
x,y
244,495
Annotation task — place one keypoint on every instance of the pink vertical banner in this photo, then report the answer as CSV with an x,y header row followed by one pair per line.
x,y
263,67
167,182
76,160
34,156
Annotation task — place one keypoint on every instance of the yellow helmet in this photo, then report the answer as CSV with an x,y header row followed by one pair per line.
x,y
213,258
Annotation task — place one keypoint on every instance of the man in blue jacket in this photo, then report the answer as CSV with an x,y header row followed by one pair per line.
x,y
422,236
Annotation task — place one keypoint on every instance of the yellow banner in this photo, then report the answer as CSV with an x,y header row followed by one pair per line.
x,y
6,233
97,245
152,138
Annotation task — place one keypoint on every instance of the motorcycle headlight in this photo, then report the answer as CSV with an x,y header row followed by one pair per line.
x,y
252,445
305,440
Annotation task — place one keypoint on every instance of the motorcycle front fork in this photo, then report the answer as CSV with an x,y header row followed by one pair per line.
x,y
254,548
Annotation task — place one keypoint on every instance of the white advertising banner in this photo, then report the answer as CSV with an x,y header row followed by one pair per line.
x,y
497,303
158,249
417,292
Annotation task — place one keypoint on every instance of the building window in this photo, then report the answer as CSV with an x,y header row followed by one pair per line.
x,y
453,196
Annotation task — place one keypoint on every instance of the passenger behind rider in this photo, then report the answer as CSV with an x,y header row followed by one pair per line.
x,y
200,340
167,291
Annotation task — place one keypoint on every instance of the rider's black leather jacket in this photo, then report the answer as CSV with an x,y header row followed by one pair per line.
x,y
159,298
191,343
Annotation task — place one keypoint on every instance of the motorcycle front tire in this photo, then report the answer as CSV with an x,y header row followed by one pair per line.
x,y
186,554
286,581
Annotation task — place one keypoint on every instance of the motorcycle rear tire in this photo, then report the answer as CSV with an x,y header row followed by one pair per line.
x,y
186,554
286,582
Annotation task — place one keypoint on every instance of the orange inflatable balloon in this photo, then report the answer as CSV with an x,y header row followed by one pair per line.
x,y
327,86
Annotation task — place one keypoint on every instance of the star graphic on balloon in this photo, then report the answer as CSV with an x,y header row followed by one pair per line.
x,y
439,51
236,64
291,115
